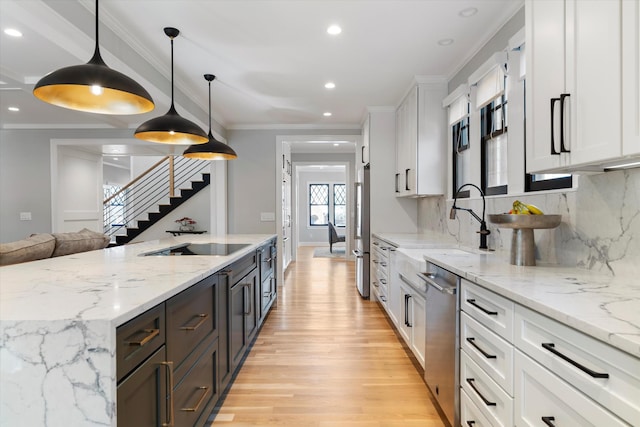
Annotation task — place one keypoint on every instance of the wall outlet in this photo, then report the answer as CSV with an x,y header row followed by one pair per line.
x,y
25,216
267,216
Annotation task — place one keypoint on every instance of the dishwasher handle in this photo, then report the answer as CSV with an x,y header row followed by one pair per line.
x,y
431,280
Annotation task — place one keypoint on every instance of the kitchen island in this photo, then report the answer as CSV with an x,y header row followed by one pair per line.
x,y
58,322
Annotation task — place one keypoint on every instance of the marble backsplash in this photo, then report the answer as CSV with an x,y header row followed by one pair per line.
x,y
600,227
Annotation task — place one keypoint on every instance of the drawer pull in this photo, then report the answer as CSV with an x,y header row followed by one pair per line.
x,y
226,272
479,307
472,341
470,423
384,282
203,318
151,334
375,261
470,381
267,260
169,368
549,421
199,402
551,347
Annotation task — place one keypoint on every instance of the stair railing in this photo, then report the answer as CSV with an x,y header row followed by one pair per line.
x,y
149,189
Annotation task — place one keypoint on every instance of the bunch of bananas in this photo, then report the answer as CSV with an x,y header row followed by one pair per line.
x,y
520,208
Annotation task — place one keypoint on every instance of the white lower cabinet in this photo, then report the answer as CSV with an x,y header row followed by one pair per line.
x,y
521,368
494,403
544,399
412,321
492,353
608,376
470,414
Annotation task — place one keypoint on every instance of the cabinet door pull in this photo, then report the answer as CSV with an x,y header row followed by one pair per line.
x,y
406,309
202,318
563,149
470,423
362,155
397,179
479,307
409,325
553,142
383,298
471,381
551,347
151,334
169,368
406,179
472,341
199,402
549,421
248,294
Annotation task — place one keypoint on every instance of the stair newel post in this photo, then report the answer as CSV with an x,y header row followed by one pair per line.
x,y
171,178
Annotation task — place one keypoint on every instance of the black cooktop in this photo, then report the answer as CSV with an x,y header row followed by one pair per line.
x,y
207,249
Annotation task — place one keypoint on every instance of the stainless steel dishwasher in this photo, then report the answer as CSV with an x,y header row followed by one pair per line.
x,y
441,370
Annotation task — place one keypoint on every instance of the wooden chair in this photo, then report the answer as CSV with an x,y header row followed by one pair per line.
x,y
334,237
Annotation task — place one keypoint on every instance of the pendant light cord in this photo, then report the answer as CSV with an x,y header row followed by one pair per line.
x,y
209,106
172,106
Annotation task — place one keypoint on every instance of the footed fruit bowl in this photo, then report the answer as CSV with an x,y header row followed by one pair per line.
x,y
523,251
525,221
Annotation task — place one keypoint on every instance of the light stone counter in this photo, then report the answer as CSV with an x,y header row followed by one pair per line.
x,y
58,319
602,306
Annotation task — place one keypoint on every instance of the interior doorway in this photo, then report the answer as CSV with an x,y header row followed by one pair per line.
x,y
304,150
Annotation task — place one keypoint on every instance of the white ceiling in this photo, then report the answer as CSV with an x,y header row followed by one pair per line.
x,y
271,58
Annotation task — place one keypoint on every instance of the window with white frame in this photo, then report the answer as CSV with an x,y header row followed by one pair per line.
x,y
458,105
327,203
491,100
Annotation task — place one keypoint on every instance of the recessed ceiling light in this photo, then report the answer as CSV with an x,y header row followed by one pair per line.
x,y
468,12
115,158
330,85
335,145
15,109
334,30
445,42
12,32
327,114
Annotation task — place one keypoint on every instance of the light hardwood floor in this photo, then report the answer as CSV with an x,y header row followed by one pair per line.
x,y
326,357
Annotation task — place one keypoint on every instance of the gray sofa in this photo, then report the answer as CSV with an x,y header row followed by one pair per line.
x,y
44,245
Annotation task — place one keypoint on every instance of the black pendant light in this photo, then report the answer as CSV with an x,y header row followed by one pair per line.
x,y
171,128
94,88
214,149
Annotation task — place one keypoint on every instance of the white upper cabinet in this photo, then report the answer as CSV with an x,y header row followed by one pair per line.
x,y
630,77
575,83
421,142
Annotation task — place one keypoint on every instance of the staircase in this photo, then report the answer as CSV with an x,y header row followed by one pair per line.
x,y
143,202
163,210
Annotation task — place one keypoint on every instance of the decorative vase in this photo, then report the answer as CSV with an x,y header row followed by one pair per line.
x,y
187,227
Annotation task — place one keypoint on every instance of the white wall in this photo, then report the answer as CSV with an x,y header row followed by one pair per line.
x,y
252,176
307,235
114,175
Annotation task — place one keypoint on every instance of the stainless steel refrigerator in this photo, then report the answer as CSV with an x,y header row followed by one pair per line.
x,y
362,232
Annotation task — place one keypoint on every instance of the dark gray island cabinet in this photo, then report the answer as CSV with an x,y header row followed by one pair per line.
x,y
174,361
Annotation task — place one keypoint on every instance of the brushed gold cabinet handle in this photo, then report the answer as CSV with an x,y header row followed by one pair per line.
x,y
203,318
170,420
195,408
151,334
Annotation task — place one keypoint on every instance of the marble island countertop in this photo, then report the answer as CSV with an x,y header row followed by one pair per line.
x,y
602,306
114,284
58,320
